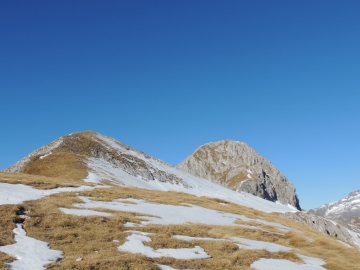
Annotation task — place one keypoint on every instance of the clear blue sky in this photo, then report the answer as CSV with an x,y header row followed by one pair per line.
x,y
168,76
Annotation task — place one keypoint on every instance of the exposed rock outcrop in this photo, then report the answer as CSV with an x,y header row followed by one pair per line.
x,y
237,166
326,226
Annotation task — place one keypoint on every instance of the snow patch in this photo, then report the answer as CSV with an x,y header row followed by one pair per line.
x,y
132,224
275,264
92,178
135,244
165,267
253,244
16,194
29,252
41,157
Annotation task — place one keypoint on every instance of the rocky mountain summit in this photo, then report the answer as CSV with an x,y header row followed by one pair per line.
x,y
237,166
346,210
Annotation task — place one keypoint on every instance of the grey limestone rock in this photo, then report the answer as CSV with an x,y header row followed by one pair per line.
x,y
337,229
237,166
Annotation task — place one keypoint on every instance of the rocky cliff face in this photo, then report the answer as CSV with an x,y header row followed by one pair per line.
x,y
344,210
344,232
237,166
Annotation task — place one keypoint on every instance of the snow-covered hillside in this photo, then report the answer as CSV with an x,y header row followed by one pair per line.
x,y
344,210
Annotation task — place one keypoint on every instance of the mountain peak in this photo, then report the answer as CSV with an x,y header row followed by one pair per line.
x,y
344,210
237,166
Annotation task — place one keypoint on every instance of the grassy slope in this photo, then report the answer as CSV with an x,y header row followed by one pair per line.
x,y
92,237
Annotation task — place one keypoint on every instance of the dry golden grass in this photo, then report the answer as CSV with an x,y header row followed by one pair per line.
x,y
62,164
67,161
5,259
91,237
235,181
8,214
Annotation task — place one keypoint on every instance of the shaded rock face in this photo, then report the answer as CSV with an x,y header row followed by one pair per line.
x,y
341,231
237,166
345,210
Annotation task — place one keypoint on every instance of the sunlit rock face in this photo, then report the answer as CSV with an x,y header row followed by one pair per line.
x,y
237,166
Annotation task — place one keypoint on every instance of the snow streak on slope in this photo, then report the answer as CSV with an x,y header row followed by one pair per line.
x,y
15,194
243,243
276,264
253,244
